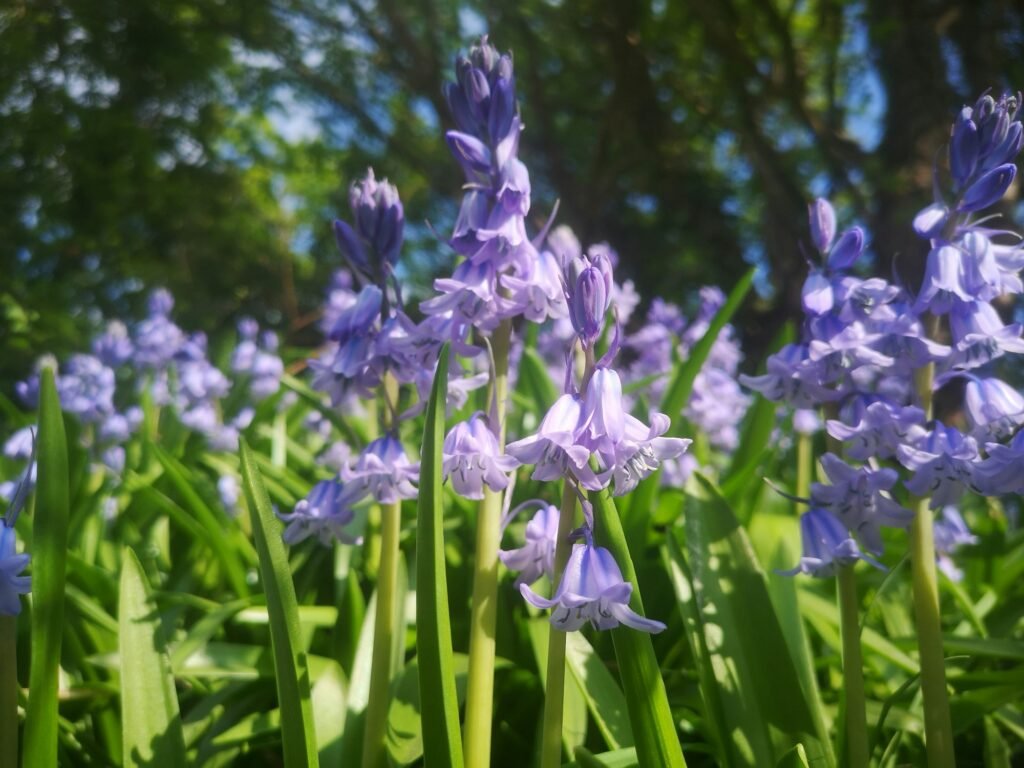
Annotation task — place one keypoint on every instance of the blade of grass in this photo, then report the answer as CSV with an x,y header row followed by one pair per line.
x,y
442,743
649,713
290,662
49,566
150,718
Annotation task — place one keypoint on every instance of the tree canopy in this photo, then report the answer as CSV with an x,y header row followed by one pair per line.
x,y
205,146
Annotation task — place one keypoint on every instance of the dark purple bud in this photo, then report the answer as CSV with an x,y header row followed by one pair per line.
x,y
929,221
963,147
350,246
459,107
989,189
589,304
847,250
823,224
472,154
504,68
983,108
484,56
478,94
502,110
992,132
1007,149
391,225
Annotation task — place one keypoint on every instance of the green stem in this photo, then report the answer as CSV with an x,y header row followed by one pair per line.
x,y
804,465
938,726
374,753
383,638
853,669
480,677
554,691
8,690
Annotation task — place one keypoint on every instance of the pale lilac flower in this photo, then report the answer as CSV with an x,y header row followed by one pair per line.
x,y
826,543
823,224
325,513
21,444
592,589
12,583
472,458
556,451
1000,472
855,496
942,463
951,533
114,347
227,489
806,421
994,408
536,557
879,431
382,470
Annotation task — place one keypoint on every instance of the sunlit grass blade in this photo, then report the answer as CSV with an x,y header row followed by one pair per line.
x,y
678,392
442,741
150,719
761,701
677,395
49,565
290,662
646,699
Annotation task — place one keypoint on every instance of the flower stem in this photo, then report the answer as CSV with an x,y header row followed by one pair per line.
x,y
938,728
480,679
853,669
374,754
383,637
8,690
554,689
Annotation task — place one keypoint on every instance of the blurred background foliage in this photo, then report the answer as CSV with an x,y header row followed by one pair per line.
x,y
205,146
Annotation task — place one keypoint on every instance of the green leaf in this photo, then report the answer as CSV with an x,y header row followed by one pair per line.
x,y
442,743
654,728
49,566
617,758
677,395
290,662
535,381
604,698
795,758
747,670
150,719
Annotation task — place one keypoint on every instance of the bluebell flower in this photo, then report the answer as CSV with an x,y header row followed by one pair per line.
x,y
325,513
114,347
536,557
994,408
21,444
373,245
383,471
86,388
879,430
592,589
826,543
942,461
1000,472
12,583
157,339
472,458
227,489
557,450
980,336
858,498
951,533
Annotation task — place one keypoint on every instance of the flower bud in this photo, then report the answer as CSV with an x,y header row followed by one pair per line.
x,y
376,239
847,250
588,304
823,224
963,147
989,189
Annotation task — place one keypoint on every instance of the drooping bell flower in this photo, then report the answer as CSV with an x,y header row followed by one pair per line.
x,y
942,462
592,589
856,497
473,459
951,533
383,470
826,543
536,557
325,513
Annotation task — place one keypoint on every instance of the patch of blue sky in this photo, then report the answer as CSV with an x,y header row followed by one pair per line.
x,y
865,99
471,23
